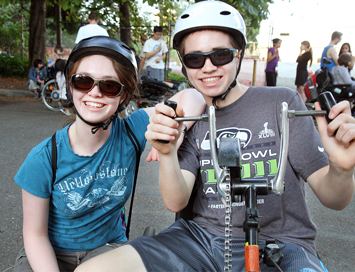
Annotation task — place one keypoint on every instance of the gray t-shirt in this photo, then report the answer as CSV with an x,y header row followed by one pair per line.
x,y
255,119
341,76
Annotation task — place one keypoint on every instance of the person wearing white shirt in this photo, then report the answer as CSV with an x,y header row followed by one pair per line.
x,y
155,49
92,29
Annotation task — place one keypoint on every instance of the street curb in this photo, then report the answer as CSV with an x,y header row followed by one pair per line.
x,y
22,93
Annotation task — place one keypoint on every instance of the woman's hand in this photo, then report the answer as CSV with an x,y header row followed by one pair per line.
x,y
153,155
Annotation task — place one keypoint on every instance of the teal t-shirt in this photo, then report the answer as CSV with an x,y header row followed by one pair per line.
x,y
89,191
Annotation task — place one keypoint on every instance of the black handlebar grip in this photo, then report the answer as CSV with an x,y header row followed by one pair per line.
x,y
326,101
173,105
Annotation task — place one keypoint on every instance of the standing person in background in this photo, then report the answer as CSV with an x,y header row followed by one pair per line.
x,y
272,60
345,48
58,54
142,71
305,55
155,50
330,53
92,29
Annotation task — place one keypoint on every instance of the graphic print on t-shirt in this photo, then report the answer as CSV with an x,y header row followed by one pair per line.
x,y
259,159
87,190
159,53
243,134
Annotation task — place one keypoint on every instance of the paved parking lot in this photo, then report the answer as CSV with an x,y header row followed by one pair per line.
x,y
26,122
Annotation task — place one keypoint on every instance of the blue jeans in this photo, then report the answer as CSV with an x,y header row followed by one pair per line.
x,y
155,73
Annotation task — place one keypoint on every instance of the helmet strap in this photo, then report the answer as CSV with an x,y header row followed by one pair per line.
x,y
97,126
234,83
223,96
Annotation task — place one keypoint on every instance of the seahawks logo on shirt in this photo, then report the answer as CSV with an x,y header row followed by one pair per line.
x,y
243,134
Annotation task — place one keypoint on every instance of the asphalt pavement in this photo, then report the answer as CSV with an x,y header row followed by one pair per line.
x,y
25,122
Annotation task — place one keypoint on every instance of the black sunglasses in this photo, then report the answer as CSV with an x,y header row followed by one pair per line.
x,y
107,87
218,57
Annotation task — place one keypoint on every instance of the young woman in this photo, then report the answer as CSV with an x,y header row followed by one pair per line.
x,y
345,48
74,213
304,56
272,61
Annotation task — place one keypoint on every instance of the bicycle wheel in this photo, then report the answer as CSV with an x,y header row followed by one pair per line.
x,y
50,102
131,107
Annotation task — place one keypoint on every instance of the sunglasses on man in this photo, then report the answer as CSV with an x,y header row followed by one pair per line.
x,y
218,58
108,87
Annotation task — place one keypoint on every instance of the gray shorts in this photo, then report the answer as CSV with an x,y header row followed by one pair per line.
x,y
155,73
185,246
67,261
33,85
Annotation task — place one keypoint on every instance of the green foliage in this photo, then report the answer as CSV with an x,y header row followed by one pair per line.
x,y
177,78
13,67
253,12
70,21
11,28
170,10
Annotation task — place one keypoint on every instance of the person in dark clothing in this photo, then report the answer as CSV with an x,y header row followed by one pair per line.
x,y
302,73
272,61
138,59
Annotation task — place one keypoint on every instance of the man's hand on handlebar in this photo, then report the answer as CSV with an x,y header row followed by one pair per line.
x,y
163,127
341,146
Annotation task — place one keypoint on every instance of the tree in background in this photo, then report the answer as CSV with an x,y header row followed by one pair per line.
x,y
253,12
37,40
123,20
13,26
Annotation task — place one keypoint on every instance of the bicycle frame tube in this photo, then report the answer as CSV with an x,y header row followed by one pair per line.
x,y
277,183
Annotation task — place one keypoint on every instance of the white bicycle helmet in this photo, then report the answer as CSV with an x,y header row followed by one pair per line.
x,y
213,15
210,15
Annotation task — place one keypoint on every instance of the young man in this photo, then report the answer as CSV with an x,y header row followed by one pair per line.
x,y
210,38
92,29
330,53
155,49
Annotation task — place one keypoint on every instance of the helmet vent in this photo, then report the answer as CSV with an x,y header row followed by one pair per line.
x,y
225,12
125,47
185,16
